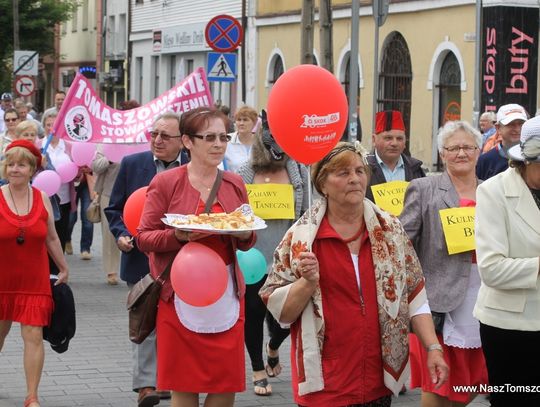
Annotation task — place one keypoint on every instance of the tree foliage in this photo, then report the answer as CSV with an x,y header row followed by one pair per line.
x,y
37,19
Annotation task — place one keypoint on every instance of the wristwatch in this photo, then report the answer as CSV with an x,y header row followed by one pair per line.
x,y
435,346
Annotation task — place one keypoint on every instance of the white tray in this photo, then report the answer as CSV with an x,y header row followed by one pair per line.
x,y
258,223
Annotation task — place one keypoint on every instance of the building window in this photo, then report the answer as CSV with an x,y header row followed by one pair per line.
x,y
155,69
449,94
189,66
277,69
139,77
121,45
395,79
85,15
111,36
172,71
75,20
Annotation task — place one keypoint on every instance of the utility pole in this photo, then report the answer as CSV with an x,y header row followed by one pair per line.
x,y
477,45
380,12
353,71
325,32
306,48
243,51
16,25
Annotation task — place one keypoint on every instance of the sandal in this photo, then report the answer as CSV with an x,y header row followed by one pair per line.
x,y
30,400
272,363
263,384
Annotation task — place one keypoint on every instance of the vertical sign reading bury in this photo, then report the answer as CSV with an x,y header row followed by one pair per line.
x,y
509,57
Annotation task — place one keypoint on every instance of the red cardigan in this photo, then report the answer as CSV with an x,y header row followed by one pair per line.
x,y
171,192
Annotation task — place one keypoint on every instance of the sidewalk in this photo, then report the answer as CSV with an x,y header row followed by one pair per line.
x,y
96,369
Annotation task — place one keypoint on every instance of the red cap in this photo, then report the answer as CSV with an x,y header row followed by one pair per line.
x,y
388,120
29,146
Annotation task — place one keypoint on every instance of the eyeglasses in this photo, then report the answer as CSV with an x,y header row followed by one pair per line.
x,y
164,136
11,120
211,138
466,149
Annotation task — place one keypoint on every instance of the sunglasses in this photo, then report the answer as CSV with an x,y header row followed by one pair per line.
x,y
211,138
164,136
11,120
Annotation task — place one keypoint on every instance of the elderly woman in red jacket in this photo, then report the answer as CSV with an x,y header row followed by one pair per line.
x,y
195,354
345,276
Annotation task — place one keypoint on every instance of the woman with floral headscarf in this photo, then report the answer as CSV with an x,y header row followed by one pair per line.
x,y
347,279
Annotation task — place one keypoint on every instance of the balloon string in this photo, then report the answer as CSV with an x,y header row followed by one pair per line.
x,y
47,142
310,203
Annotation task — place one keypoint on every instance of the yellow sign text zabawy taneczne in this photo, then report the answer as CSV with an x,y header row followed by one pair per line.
x,y
458,229
271,201
389,196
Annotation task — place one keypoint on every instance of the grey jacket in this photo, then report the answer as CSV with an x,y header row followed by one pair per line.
x,y
447,276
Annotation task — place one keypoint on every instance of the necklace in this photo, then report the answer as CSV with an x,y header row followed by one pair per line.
x,y
356,235
20,238
204,185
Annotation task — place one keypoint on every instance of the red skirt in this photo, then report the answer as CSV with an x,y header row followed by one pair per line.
x,y
194,362
467,368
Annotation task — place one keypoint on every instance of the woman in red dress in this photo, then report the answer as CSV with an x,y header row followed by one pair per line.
x,y
27,233
200,349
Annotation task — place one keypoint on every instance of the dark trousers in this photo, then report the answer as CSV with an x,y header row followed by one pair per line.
x,y
256,313
512,359
87,227
62,228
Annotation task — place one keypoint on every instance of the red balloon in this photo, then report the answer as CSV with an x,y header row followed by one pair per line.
x,y
307,112
198,275
133,210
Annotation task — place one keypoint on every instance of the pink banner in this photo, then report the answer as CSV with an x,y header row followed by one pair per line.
x,y
84,117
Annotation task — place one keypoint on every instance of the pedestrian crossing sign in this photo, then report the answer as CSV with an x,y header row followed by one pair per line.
x,y
221,67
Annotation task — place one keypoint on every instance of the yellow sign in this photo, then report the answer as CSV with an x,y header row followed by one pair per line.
x,y
271,201
390,195
458,229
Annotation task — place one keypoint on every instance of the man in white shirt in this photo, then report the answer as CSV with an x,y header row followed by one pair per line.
x,y
388,162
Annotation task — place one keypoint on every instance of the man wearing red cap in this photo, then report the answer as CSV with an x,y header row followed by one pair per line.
x,y
387,162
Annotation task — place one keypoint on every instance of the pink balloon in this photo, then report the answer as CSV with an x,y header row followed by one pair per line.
x,y
115,152
67,171
47,181
83,153
198,275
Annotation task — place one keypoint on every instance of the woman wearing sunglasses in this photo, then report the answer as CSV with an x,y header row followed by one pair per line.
x,y
202,353
11,118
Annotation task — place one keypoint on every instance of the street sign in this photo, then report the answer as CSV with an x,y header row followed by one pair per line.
x,y
25,63
223,33
380,11
25,85
221,67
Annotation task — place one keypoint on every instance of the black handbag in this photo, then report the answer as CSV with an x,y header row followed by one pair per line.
x,y
143,298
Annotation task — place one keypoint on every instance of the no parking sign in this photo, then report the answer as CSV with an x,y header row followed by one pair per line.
x,y
223,33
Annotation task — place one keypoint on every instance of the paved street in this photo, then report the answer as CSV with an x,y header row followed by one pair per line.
x,y
96,370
